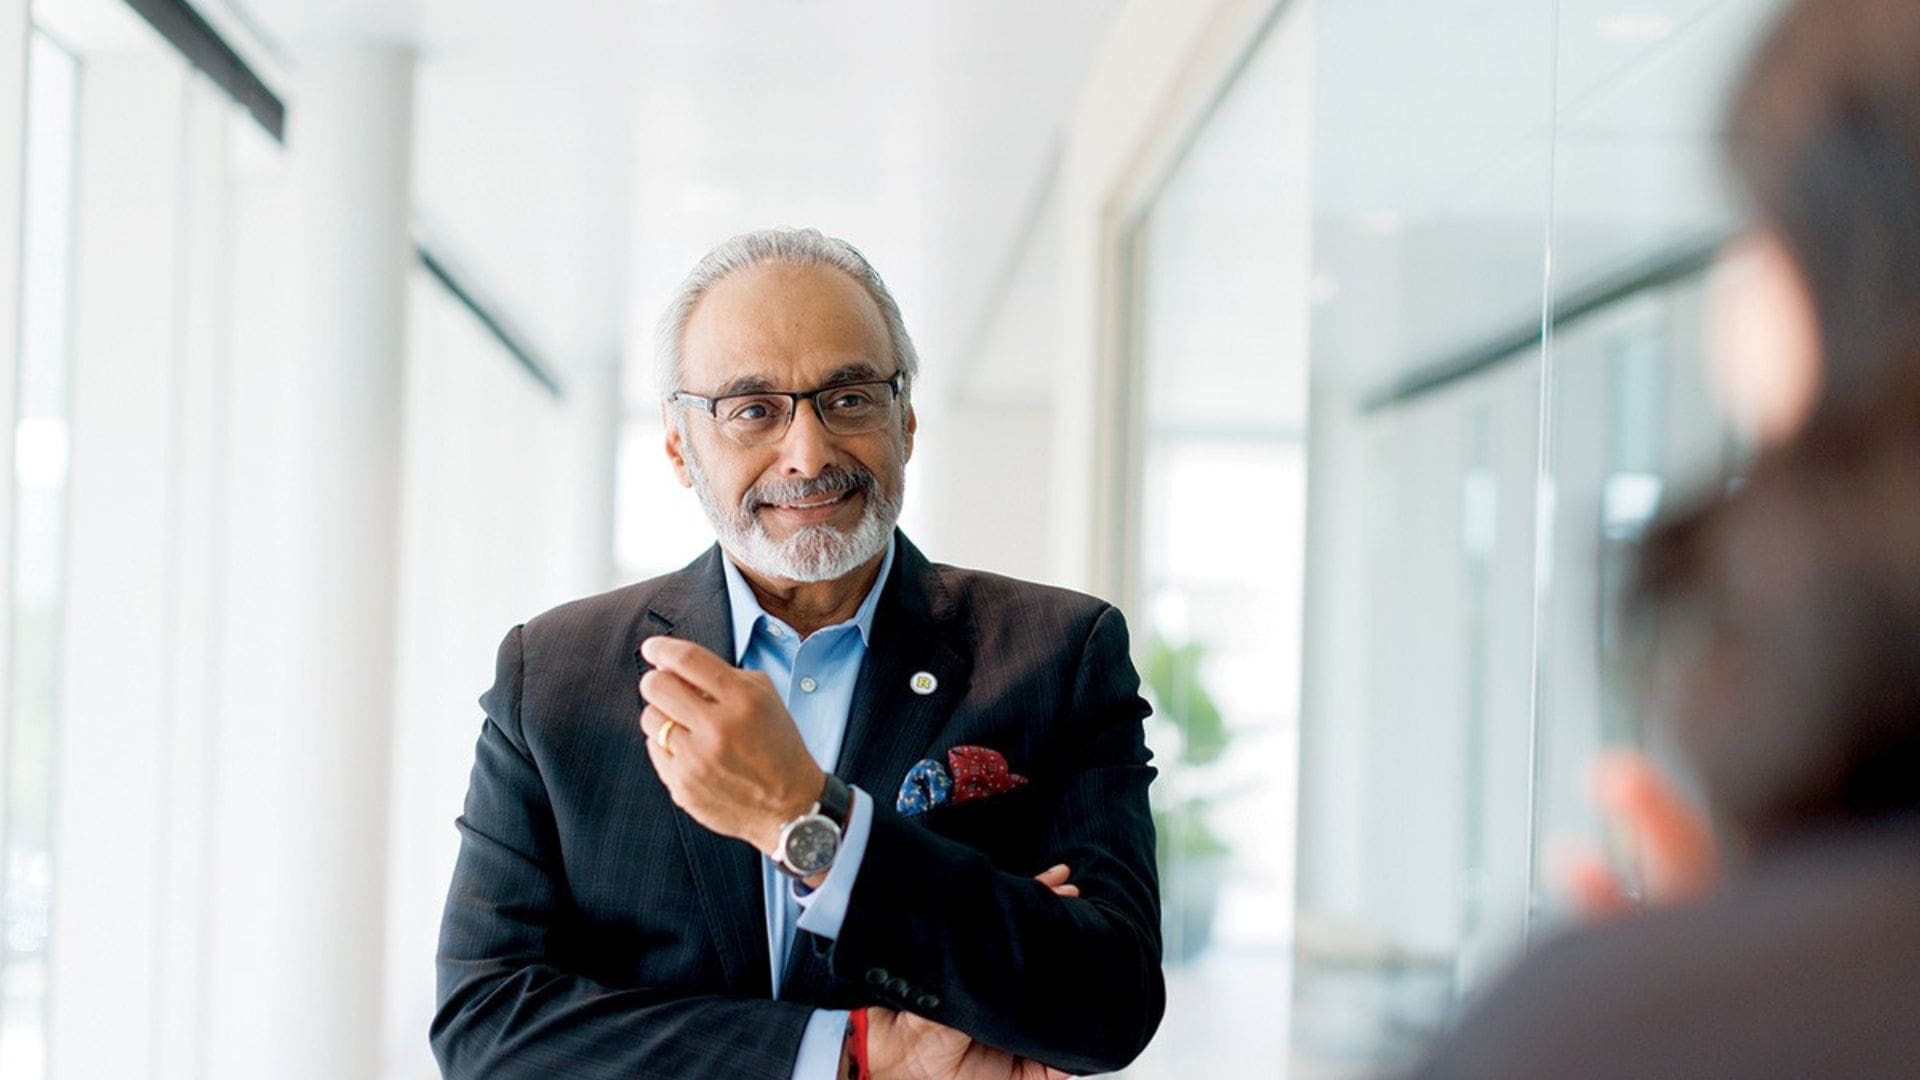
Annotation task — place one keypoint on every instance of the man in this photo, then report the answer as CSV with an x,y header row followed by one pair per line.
x,y
811,802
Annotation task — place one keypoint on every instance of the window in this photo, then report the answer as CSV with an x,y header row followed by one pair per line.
x,y
1219,265
39,494
1514,206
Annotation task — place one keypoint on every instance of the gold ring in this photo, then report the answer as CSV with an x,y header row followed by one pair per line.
x,y
666,736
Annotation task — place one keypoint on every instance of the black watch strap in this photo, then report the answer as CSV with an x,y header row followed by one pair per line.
x,y
836,801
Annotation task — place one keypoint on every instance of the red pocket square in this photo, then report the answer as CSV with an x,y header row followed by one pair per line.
x,y
979,772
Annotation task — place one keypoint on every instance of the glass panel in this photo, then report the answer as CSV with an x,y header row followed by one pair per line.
x,y
1221,264
1432,176
1639,206
39,492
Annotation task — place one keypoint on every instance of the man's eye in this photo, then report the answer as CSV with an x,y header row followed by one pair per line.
x,y
850,399
751,412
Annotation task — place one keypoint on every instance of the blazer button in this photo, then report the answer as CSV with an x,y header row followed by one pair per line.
x,y
927,1001
898,987
876,976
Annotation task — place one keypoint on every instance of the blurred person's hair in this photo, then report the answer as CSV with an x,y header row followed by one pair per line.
x,y
1785,638
1782,616
1825,138
793,247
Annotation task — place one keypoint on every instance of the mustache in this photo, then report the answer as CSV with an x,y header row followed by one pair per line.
x,y
833,480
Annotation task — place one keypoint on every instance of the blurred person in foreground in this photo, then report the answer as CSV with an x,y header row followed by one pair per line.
x,y
808,807
1781,634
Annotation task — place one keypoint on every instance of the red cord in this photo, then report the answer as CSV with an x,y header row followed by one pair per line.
x,y
857,1045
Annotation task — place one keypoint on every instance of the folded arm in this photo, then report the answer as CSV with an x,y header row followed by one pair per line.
x,y
933,927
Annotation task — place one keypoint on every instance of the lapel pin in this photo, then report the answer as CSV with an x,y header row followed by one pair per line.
x,y
923,683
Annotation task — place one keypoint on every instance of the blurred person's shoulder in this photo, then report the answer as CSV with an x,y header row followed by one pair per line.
x,y
1808,965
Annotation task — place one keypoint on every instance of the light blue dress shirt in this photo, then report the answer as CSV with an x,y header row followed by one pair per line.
x,y
815,679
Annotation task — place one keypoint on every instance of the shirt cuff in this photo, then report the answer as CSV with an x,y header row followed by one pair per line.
x,y
822,910
820,1045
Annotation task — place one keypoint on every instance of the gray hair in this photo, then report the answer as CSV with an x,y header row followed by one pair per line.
x,y
795,247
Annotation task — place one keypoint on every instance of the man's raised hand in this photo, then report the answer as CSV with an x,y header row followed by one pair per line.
x,y
733,760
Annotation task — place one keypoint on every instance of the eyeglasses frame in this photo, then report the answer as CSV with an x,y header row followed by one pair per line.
x,y
711,405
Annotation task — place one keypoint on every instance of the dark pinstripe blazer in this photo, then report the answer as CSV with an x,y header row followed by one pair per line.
x,y
594,929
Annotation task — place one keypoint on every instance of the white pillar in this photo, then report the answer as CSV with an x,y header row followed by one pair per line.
x,y
320,343
117,685
350,139
13,86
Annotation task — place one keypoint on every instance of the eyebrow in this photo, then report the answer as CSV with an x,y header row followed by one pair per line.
x,y
745,384
858,371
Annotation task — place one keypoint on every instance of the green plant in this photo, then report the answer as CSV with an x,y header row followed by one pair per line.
x,y
1181,700
1191,852
1173,674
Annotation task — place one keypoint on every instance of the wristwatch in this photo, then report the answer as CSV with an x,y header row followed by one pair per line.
x,y
809,842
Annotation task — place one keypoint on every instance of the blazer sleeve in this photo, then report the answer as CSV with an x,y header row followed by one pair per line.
x,y
933,927
507,1005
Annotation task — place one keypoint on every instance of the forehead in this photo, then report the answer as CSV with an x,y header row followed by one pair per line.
x,y
788,327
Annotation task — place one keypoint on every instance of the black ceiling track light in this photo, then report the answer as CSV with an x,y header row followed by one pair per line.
x,y
204,48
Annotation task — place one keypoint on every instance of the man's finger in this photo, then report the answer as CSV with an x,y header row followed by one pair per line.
x,y
1055,877
706,672
1593,889
674,695
663,763
653,721
1676,843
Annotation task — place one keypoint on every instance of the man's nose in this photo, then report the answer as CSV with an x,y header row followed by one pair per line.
x,y
807,447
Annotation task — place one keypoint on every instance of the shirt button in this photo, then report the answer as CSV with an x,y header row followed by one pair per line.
x,y
808,685
774,629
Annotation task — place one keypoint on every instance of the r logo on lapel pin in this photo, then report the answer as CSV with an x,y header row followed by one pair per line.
x,y
924,683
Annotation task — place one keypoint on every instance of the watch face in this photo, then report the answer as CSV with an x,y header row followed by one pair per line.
x,y
811,845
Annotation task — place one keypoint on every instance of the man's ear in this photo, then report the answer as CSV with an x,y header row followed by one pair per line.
x,y
913,425
676,453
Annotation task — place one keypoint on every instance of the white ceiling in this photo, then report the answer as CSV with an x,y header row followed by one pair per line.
x,y
581,155
1438,244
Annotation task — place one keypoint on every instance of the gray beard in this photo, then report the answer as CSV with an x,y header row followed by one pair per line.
x,y
814,553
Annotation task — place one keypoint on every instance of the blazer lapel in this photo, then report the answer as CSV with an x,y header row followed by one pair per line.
x,y
726,872
891,724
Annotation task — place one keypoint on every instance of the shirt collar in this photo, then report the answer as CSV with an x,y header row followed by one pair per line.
x,y
747,612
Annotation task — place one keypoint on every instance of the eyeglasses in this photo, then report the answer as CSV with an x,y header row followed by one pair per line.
x,y
761,417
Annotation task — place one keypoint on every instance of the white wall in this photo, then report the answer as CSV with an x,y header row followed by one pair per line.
x,y
983,487
981,493
1156,72
494,526
1022,480
119,731
13,80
